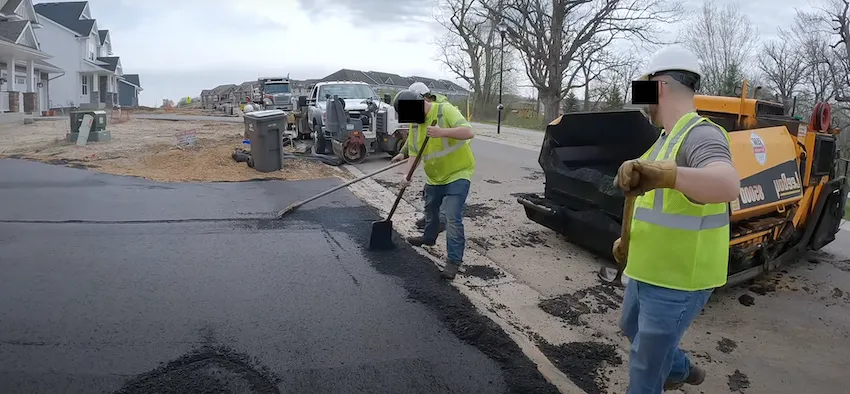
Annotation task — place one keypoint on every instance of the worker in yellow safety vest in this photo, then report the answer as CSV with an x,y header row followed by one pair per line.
x,y
679,239
449,165
426,93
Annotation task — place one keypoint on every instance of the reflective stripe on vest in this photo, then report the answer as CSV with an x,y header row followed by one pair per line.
x,y
656,215
447,148
676,243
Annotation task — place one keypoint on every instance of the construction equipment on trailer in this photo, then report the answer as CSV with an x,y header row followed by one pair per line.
x,y
379,129
352,141
793,190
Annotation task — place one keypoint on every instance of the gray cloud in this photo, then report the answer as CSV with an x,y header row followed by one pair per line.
x,y
374,11
131,14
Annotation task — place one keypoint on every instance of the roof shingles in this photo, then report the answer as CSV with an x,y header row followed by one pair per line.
x,y
111,62
11,30
133,78
67,14
10,7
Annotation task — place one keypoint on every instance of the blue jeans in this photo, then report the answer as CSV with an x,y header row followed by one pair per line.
x,y
442,207
452,197
655,319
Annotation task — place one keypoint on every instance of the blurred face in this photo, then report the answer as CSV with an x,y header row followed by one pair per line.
x,y
655,109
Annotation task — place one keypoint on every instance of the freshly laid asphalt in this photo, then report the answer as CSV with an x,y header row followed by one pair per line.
x,y
116,284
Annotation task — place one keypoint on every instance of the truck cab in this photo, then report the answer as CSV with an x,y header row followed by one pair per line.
x,y
354,94
276,93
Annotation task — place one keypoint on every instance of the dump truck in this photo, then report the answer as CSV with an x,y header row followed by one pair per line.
x,y
793,191
275,93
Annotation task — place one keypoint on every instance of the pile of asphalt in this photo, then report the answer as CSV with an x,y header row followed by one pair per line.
x,y
209,369
420,277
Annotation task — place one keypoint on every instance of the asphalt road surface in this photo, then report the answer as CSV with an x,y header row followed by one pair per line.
x,y
117,284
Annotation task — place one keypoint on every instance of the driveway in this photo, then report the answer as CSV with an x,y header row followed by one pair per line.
x,y
117,284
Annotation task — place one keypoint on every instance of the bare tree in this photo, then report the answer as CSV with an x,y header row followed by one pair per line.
x,y
723,39
831,22
613,82
558,38
471,49
812,40
782,67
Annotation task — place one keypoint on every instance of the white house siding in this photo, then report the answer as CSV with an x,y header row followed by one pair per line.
x,y
66,49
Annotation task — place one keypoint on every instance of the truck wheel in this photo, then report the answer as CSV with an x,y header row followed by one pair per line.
x,y
319,139
399,145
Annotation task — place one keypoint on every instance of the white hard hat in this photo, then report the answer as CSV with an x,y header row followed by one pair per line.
x,y
420,88
671,59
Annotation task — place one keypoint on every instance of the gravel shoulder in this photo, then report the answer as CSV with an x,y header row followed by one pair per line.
x,y
780,334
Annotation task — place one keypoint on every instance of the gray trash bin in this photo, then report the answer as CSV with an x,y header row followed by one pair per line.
x,y
265,129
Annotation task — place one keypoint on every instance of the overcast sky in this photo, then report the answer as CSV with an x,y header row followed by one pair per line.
x,y
182,46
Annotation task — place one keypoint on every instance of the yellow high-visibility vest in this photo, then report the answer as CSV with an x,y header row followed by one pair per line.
x,y
675,243
445,160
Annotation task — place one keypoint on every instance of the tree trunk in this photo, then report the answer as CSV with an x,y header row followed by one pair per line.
x,y
480,106
551,103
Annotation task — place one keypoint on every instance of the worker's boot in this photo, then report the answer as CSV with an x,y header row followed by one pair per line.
x,y
696,376
450,270
420,240
420,224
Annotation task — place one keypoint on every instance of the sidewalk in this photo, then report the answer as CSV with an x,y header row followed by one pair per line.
x,y
529,139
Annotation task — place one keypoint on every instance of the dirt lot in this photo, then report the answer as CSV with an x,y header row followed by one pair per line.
x,y
192,111
149,149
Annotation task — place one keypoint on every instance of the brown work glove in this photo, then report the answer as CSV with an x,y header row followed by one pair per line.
x,y
620,252
636,177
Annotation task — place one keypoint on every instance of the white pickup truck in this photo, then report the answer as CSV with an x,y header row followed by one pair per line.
x,y
354,94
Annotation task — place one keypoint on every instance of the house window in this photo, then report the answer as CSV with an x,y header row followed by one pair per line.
x,y
91,48
21,80
85,85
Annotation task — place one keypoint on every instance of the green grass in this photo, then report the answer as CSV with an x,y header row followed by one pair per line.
x,y
532,123
847,212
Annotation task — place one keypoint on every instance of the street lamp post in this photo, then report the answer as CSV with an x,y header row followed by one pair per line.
x,y
503,28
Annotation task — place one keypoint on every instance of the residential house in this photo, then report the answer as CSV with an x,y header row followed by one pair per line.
x,y
302,88
245,91
206,97
71,35
24,71
388,83
381,82
128,90
222,94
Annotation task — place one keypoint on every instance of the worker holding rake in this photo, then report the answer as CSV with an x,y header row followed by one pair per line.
x,y
426,93
678,243
449,165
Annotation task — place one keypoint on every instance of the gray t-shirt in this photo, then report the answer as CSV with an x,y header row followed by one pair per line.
x,y
704,144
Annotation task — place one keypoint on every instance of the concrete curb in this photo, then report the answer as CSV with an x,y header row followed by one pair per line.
x,y
508,143
382,199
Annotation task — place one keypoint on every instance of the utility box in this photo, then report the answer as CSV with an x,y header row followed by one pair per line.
x,y
98,132
265,129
